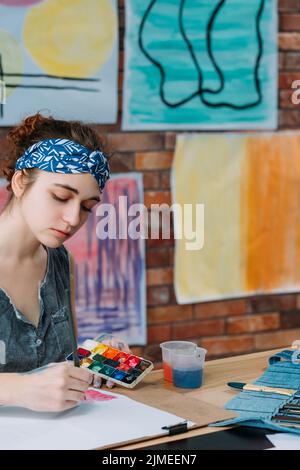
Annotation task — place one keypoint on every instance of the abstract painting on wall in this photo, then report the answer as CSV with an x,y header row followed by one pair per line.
x,y
109,272
200,64
59,56
250,187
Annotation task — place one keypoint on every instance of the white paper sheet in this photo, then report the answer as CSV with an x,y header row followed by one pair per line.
x,y
90,425
284,441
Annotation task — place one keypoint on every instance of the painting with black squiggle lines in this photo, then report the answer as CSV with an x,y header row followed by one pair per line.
x,y
209,64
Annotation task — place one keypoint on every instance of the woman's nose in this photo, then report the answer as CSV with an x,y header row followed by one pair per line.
x,y
71,215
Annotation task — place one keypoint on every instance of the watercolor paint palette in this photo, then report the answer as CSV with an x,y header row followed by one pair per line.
x,y
112,364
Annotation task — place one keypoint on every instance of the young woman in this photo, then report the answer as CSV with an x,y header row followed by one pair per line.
x,y
56,173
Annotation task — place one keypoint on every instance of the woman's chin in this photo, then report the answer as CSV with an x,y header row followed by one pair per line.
x,y
51,242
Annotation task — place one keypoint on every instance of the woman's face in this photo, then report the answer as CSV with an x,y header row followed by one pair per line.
x,y
56,205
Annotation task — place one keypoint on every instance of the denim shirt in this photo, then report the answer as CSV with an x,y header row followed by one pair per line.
x,y
25,346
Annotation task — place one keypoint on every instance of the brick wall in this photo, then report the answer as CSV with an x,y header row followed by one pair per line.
x,y
224,328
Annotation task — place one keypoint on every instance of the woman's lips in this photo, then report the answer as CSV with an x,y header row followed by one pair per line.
x,y
60,234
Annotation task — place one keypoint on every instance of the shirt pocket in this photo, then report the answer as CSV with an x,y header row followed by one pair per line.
x,y
61,333
60,315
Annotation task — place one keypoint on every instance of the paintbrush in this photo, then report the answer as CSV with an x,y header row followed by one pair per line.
x,y
288,419
263,388
76,360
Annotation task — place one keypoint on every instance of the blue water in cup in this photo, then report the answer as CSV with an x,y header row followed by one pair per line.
x,y
187,378
187,367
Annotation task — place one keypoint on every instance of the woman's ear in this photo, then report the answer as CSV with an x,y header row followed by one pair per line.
x,y
18,183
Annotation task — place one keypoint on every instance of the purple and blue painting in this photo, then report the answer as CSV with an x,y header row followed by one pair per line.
x,y
110,272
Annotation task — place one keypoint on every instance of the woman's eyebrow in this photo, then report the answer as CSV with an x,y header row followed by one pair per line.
x,y
74,190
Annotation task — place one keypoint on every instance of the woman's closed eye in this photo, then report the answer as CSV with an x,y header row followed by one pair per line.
x,y
60,199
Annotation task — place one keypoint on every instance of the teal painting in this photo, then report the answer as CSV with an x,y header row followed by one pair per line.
x,y
200,64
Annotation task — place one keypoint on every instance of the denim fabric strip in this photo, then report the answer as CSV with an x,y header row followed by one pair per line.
x,y
258,408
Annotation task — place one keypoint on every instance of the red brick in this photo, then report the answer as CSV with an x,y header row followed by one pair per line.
x,y
152,352
287,78
285,99
289,22
159,258
120,77
153,160
171,252
121,20
157,197
253,323
158,295
151,179
165,180
121,48
197,329
154,243
159,333
104,129
120,98
156,277
289,5
227,345
281,60
170,140
273,303
289,118
291,60
277,339
125,141
170,313
220,309
122,162
290,319
4,146
289,41
173,299
121,60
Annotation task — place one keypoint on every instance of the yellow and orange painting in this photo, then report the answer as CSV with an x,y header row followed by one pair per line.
x,y
250,187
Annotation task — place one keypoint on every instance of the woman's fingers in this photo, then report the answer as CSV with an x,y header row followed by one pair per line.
x,y
77,385
80,374
72,395
97,381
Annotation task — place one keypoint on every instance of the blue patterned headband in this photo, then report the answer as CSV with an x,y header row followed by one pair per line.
x,y
65,156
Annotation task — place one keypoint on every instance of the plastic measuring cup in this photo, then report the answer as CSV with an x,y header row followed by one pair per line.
x,y
167,348
187,367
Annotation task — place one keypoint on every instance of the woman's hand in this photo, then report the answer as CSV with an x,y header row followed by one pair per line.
x,y
55,387
117,343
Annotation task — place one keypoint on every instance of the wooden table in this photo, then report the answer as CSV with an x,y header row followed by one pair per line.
x,y
245,368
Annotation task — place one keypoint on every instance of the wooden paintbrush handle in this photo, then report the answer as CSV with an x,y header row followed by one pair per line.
x,y
261,388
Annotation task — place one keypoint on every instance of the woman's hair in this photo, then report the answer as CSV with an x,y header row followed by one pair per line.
x,y
36,128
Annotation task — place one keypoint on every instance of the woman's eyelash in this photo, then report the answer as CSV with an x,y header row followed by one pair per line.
x,y
58,198
64,200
